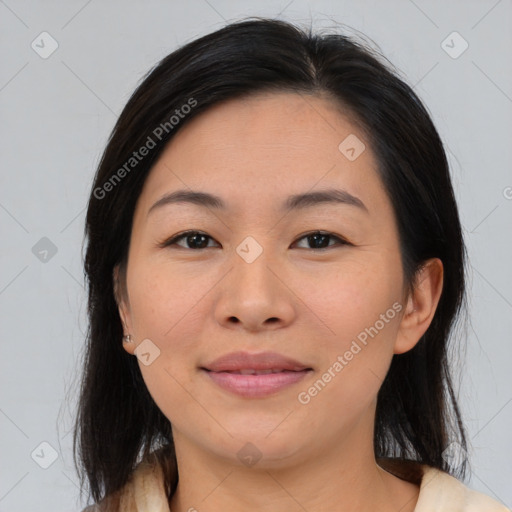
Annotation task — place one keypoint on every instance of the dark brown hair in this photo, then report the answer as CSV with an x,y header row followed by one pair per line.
x,y
118,423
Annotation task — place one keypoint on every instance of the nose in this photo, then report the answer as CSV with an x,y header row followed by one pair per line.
x,y
254,296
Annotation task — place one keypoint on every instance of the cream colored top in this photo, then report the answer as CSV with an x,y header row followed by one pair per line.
x,y
439,492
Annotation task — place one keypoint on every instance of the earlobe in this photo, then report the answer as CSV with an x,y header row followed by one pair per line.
x,y
129,344
421,305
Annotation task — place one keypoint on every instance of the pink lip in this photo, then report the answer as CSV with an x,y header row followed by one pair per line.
x,y
288,371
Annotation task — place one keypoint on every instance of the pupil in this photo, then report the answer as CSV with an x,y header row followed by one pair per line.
x,y
194,237
316,238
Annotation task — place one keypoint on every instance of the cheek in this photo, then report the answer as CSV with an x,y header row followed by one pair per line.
x,y
164,302
168,308
357,312
355,356
168,316
346,301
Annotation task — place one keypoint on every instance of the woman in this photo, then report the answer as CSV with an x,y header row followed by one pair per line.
x,y
275,263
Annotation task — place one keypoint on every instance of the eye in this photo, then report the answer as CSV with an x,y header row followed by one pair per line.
x,y
198,240
193,240
320,240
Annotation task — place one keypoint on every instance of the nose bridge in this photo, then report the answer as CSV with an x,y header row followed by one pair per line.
x,y
251,261
249,249
252,294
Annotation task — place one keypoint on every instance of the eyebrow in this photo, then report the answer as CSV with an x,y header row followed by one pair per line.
x,y
293,202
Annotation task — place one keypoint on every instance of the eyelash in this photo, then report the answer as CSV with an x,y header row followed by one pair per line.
x,y
172,241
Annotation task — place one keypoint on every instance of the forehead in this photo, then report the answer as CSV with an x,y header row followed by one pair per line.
x,y
265,146
288,125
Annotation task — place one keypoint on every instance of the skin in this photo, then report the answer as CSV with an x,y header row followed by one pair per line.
x,y
306,303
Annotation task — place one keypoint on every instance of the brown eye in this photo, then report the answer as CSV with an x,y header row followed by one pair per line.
x,y
320,240
194,240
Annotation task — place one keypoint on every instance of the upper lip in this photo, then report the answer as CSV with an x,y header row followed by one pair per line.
x,y
261,361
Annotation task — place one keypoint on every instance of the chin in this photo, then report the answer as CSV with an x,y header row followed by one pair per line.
x,y
264,448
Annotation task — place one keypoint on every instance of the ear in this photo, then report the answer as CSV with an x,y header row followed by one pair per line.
x,y
121,298
421,305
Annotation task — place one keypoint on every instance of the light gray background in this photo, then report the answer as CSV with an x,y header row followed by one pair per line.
x,y
57,114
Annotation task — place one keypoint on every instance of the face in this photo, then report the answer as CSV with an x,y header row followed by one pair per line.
x,y
259,278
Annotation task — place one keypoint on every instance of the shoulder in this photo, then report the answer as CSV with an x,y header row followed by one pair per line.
x,y
143,491
442,492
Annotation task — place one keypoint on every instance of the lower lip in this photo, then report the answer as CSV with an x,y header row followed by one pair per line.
x,y
255,386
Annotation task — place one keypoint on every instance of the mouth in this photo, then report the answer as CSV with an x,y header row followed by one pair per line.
x,y
255,375
252,371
